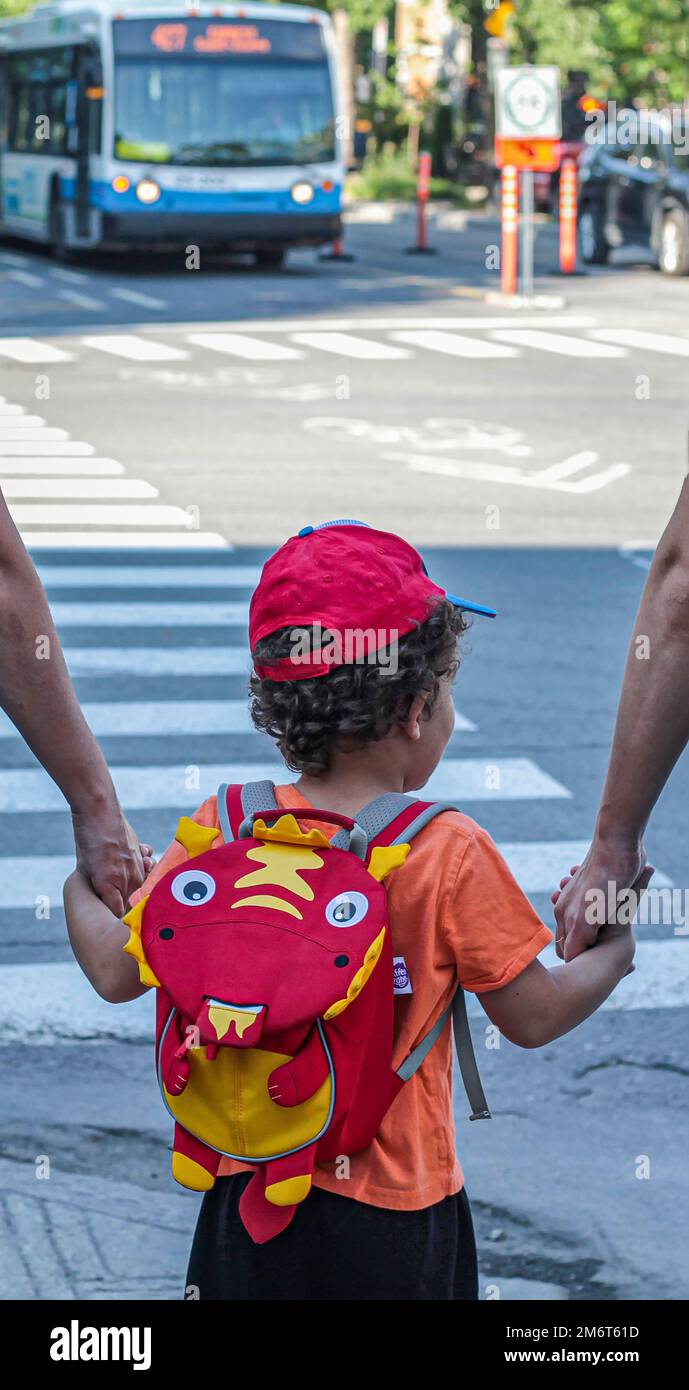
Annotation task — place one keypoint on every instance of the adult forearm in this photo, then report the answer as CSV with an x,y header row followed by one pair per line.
x,y
652,726
37,693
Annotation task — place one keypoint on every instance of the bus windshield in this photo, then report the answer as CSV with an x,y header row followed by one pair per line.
x,y
192,111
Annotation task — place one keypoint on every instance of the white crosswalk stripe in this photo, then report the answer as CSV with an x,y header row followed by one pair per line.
x,y
157,661
175,718
241,345
152,787
32,350
178,576
54,514
116,488
122,539
346,345
454,344
65,467
134,347
155,615
27,877
648,342
558,343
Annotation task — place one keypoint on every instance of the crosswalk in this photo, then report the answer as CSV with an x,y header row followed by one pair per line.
x,y
152,617
485,339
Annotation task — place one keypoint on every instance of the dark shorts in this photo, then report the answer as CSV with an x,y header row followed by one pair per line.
x,y
335,1248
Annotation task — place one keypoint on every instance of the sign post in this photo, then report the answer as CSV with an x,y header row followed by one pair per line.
x,y
528,129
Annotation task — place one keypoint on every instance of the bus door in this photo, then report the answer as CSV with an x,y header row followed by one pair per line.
x,y
84,106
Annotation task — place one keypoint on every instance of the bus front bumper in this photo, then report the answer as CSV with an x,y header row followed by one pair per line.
x,y
242,231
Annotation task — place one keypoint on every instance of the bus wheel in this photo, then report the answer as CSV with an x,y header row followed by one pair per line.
x,y
270,257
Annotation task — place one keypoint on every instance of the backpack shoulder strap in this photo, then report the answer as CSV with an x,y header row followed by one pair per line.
x,y
393,819
235,802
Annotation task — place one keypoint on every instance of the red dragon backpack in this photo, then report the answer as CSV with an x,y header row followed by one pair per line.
x,y
272,955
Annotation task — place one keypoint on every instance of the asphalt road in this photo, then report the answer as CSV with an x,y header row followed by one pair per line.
x,y
154,469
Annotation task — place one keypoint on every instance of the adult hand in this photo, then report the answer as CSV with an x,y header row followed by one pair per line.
x,y
622,866
109,853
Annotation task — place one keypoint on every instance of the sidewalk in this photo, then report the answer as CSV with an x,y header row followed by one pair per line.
x,y
67,1238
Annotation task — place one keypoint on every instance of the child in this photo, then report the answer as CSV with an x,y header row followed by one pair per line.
x,y
358,698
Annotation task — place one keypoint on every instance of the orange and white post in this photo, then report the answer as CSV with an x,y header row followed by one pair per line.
x,y
423,191
568,216
509,220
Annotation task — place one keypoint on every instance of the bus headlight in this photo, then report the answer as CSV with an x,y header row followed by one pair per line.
x,y
147,191
302,192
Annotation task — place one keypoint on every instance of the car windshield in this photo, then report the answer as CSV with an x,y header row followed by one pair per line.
x,y
193,111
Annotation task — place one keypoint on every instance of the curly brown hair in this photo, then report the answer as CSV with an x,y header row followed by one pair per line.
x,y
354,704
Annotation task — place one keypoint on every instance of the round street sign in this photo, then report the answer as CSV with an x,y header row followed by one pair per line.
x,y
527,101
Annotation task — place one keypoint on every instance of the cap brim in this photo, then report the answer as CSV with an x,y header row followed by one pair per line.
x,y
470,607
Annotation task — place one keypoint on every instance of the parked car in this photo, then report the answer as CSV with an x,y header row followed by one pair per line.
x,y
635,194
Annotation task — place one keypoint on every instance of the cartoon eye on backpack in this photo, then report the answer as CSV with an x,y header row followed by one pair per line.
x,y
271,953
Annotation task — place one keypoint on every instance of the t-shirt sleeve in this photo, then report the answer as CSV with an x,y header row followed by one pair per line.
x,y
488,922
207,814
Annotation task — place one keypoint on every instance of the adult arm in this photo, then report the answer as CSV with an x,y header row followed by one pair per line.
x,y
651,732
37,694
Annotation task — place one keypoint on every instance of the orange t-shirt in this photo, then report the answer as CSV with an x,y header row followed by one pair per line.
x,y
456,911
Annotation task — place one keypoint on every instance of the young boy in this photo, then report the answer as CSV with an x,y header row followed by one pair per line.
x,y
362,708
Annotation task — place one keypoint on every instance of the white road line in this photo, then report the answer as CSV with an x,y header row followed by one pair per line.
x,y
151,787
70,276
31,350
636,337
116,488
158,661
239,345
8,408
149,576
25,877
556,342
26,448
454,344
660,981
132,347
25,277
345,345
54,514
125,540
148,301
538,865
9,258
16,419
82,301
44,435
45,467
48,1003
155,615
159,718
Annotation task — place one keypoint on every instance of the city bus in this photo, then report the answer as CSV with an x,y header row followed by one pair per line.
x,y
139,125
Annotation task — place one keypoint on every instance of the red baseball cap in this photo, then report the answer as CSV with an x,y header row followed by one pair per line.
x,y
361,587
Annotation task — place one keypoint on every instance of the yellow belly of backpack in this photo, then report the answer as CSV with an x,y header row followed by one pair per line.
x,y
226,1104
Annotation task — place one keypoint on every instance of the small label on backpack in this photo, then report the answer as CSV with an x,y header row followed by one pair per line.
x,y
400,976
